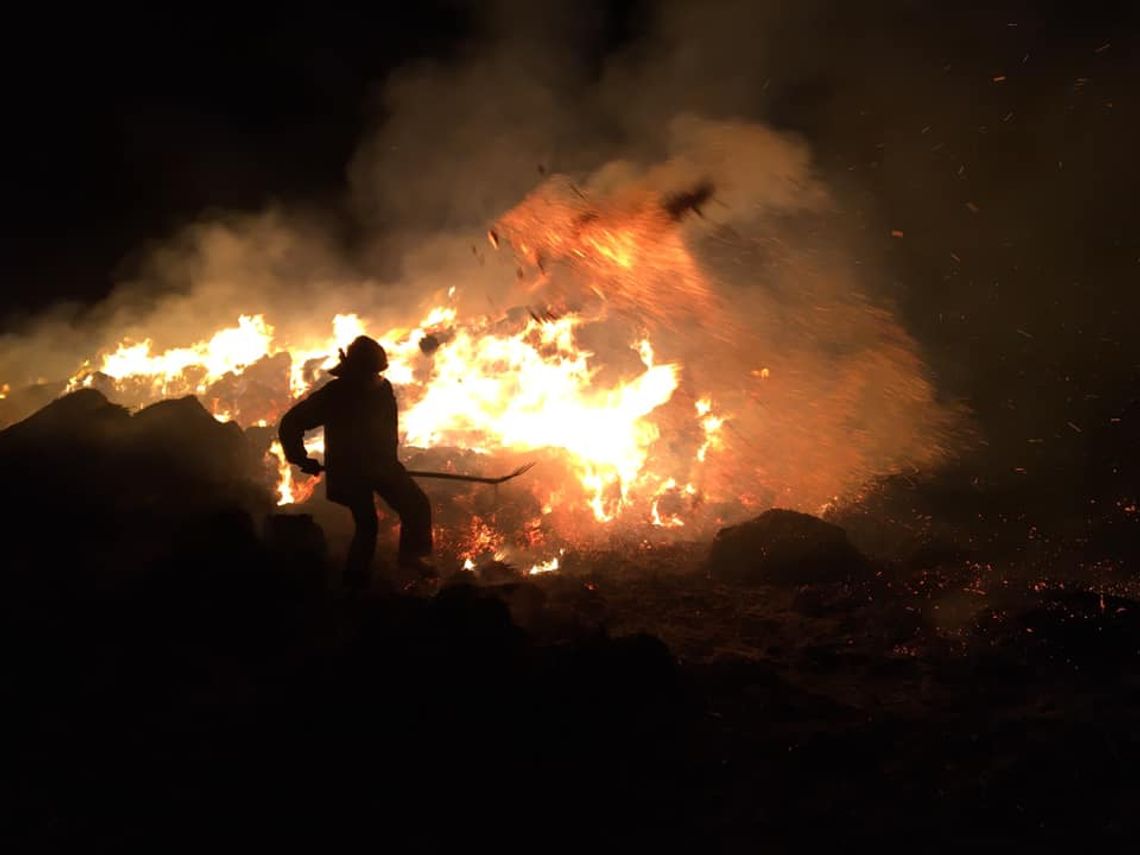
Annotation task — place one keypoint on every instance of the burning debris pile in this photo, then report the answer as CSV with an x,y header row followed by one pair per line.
x,y
610,358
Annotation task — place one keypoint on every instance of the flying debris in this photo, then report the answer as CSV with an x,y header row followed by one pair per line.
x,y
544,316
676,205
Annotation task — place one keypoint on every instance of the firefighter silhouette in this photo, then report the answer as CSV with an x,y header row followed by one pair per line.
x,y
358,412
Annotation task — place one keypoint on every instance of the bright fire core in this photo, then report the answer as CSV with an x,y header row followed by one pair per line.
x,y
530,390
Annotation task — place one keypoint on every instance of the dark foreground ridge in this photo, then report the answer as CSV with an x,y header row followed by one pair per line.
x,y
184,671
219,697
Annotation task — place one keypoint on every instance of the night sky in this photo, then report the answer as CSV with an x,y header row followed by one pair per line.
x,y
999,139
122,130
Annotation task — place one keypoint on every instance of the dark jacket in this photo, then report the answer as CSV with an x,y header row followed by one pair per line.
x,y
361,434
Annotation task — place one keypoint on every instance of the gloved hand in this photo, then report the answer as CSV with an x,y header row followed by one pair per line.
x,y
310,466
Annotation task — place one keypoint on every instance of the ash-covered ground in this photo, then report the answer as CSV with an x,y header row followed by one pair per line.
x,y
935,666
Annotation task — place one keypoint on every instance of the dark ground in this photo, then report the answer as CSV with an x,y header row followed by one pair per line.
x,y
182,669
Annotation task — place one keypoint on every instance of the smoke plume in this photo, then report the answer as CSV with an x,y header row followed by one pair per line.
x,y
776,317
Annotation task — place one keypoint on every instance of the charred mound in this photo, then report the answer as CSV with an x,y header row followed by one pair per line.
x,y
782,547
87,473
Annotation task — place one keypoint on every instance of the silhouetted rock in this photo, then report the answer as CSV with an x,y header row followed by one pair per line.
x,y
782,547
21,402
474,616
85,417
179,440
105,483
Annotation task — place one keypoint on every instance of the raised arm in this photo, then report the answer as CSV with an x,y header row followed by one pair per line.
x,y
305,415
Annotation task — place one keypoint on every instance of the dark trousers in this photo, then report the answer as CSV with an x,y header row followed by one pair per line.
x,y
403,495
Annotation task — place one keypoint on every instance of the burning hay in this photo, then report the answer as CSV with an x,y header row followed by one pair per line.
x,y
664,392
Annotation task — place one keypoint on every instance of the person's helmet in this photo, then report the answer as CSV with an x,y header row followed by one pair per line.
x,y
363,356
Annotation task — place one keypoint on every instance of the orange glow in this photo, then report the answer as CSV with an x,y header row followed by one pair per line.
x,y
527,389
294,488
711,425
611,360
521,388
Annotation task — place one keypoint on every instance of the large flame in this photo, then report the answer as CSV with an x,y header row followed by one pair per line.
x,y
527,390
587,372
482,383
534,390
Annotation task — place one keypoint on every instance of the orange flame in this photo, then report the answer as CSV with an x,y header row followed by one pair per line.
x,y
521,389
